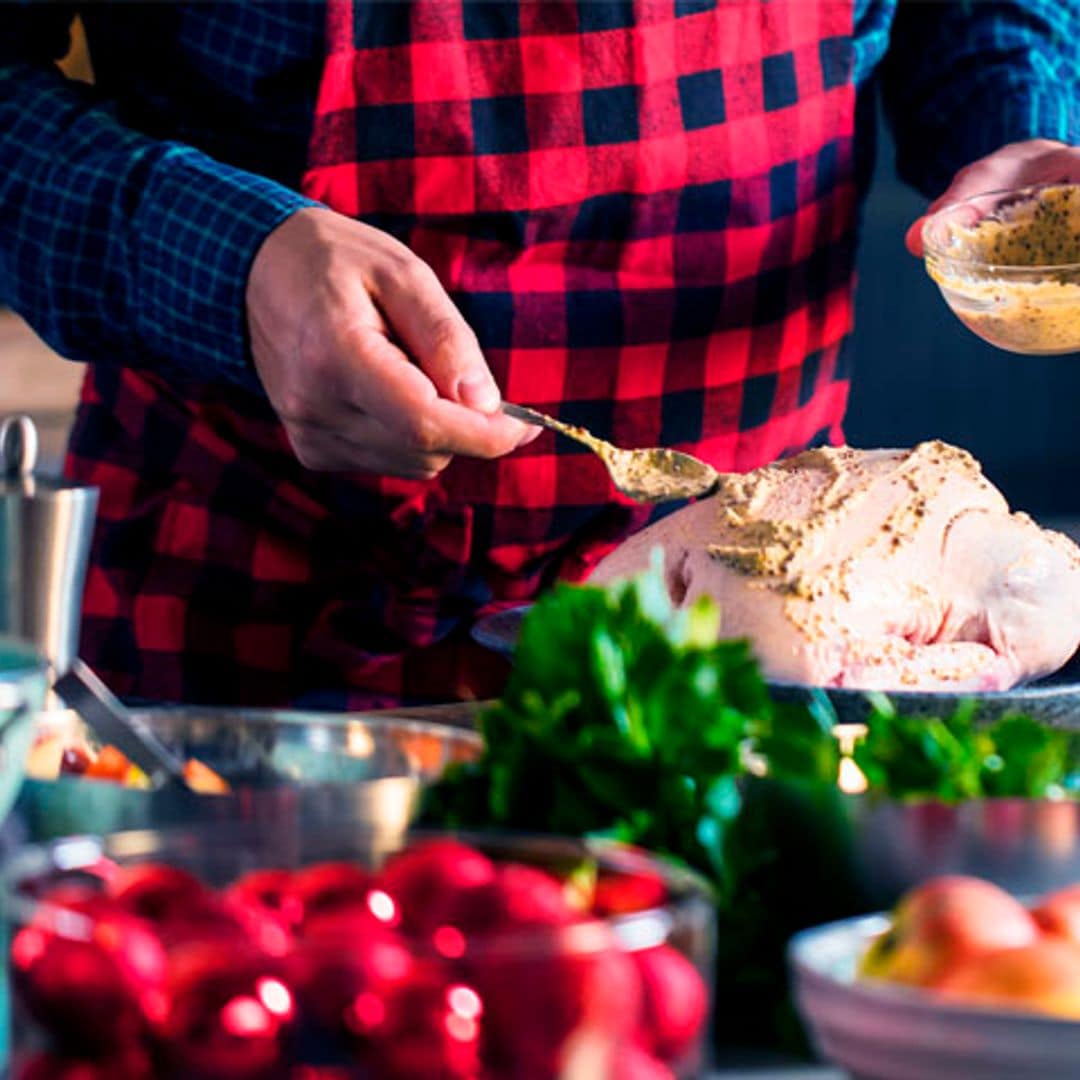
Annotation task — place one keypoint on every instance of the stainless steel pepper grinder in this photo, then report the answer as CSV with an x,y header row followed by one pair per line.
x,y
45,529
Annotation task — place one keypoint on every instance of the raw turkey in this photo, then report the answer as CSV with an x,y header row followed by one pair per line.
x,y
877,569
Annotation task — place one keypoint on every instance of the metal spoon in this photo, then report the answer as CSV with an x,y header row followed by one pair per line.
x,y
81,690
652,475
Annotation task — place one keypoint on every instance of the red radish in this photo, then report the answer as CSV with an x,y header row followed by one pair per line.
x,y
224,982
227,920
631,1062
327,886
617,991
675,1002
75,896
346,970
524,895
76,992
273,889
231,1014
561,982
516,896
156,891
363,985
94,994
426,881
622,893
133,1065
435,1031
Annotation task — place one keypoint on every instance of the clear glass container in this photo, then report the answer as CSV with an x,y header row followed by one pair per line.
x,y
486,956
23,684
1008,265
280,764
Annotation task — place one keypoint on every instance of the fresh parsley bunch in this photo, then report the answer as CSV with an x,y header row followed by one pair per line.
x,y
954,757
626,717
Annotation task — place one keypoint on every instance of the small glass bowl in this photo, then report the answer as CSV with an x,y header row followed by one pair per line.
x,y
352,971
1008,265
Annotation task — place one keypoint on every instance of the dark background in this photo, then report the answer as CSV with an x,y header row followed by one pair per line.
x,y
920,374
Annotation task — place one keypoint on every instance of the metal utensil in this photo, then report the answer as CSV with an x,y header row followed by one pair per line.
x,y
45,530
649,475
110,720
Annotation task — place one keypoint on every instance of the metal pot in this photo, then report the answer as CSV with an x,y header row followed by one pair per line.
x,y
45,529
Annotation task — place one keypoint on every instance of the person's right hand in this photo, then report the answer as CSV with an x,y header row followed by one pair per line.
x,y
364,357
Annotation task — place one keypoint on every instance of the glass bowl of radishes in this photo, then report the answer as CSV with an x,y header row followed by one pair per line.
x,y
249,953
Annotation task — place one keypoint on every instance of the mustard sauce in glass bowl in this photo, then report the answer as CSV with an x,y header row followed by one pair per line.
x,y
1008,265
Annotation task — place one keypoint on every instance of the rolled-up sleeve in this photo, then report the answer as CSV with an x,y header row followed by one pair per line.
x,y
964,77
115,247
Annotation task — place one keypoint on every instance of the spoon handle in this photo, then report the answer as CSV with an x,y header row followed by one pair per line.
x,y
531,416
80,689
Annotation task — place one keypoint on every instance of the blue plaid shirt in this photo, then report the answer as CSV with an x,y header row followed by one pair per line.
x,y
130,213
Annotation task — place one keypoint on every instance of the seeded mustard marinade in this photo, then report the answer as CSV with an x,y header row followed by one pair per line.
x,y
1032,313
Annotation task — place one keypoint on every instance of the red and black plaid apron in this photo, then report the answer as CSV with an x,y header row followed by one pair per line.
x,y
645,210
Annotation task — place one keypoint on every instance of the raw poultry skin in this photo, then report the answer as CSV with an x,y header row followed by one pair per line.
x,y
877,569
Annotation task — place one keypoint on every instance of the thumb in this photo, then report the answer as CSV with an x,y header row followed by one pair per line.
x,y
439,340
913,237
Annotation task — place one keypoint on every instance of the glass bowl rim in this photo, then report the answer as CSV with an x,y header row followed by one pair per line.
x,y
636,930
932,251
381,720
452,737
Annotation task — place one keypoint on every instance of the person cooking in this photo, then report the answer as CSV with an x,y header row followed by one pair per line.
x,y
307,248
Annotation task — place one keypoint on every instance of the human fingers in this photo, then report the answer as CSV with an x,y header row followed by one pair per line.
x,y
1021,164
434,333
401,396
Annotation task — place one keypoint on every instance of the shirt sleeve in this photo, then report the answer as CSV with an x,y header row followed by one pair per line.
x,y
115,247
962,78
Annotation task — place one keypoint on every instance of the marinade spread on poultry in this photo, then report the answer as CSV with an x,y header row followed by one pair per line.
x,y
883,569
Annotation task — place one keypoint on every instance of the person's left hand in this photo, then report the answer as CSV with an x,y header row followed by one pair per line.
x,y
1035,161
